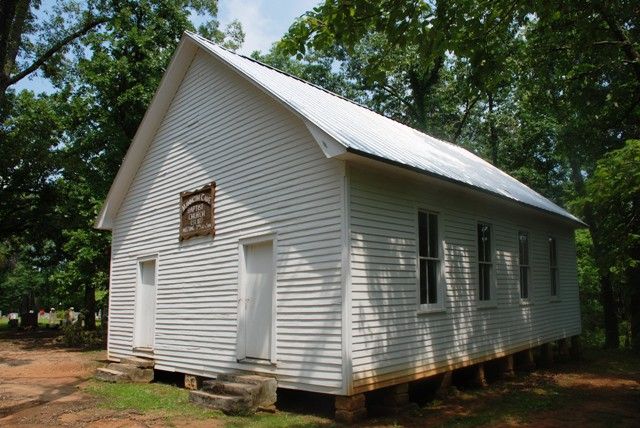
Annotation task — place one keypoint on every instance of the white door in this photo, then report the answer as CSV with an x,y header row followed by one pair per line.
x,y
258,278
145,316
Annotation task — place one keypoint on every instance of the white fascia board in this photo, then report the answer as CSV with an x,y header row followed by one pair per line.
x,y
329,145
152,119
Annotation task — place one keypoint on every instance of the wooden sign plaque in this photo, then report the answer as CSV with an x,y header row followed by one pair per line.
x,y
197,212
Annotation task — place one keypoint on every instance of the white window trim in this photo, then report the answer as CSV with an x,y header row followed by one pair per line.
x,y
439,306
493,286
525,300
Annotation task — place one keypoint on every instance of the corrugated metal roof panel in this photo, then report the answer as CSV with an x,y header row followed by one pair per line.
x,y
362,130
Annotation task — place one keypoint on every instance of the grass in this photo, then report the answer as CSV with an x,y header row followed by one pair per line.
x,y
172,402
523,400
508,406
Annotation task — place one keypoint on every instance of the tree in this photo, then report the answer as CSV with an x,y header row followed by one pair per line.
x,y
28,44
110,89
583,82
63,150
613,192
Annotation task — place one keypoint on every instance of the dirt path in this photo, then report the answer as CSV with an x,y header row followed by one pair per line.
x,y
38,377
42,384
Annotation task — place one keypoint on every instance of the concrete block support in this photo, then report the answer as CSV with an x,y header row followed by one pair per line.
x,y
389,401
576,348
527,362
446,385
564,352
506,368
546,354
350,409
479,380
192,382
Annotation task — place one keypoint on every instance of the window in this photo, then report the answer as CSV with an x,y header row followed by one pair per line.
x,y
553,267
485,264
523,260
429,259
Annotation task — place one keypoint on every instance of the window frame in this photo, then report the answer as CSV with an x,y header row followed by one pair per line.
x,y
554,270
526,266
439,305
491,302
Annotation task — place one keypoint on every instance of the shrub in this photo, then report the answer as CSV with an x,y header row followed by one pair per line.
x,y
75,336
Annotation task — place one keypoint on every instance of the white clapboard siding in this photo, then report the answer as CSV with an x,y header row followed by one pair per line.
x,y
271,177
390,339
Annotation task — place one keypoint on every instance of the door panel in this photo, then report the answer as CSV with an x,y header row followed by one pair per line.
x,y
145,316
258,283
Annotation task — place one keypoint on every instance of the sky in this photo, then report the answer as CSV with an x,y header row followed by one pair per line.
x,y
263,21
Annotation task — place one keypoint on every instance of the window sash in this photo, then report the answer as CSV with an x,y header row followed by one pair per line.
x,y
428,259
553,266
485,263
523,260
484,242
485,276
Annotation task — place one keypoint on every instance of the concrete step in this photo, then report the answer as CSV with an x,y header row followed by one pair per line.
x,y
231,405
135,373
110,375
246,390
143,363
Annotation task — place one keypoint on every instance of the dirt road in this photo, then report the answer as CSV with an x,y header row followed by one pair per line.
x,y
42,384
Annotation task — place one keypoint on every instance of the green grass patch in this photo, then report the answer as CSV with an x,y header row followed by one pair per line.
x,y
172,402
148,398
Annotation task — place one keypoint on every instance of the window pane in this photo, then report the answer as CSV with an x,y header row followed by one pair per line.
x,y
423,231
433,281
552,252
524,248
480,243
554,281
485,282
484,242
524,282
433,235
423,281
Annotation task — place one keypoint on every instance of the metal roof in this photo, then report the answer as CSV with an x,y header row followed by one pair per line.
x,y
367,133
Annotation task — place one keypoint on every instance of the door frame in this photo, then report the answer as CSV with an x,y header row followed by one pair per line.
x,y
139,260
241,343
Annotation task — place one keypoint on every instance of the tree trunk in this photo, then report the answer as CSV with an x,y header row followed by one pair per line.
x,y
634,301
90,307
607,299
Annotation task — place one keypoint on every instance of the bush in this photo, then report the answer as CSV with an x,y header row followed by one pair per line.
x,y
75,336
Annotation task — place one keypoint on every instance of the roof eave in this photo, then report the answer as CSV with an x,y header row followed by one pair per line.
x,y
574,221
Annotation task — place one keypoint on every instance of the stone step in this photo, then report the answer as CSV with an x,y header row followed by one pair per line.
x,y
135,373
266,395
110,375
143,363
247,390
243,378
229,404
